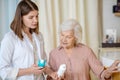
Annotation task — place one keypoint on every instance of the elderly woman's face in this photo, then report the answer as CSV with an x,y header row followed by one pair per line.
x,y
67,39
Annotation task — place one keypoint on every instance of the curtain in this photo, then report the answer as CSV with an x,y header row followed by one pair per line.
x,y
7,11
53,12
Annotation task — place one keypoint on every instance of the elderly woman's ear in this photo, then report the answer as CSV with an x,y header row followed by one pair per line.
x,y
76,41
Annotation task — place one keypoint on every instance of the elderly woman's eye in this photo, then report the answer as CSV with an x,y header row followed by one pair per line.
x,y
69,37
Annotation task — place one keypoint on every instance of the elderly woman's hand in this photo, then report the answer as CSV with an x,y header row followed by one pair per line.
x,y
54,76
110,70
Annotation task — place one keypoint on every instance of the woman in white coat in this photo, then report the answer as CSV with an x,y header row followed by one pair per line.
x,y
23,46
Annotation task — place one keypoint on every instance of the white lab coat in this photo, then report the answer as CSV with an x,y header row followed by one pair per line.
x,y
15,54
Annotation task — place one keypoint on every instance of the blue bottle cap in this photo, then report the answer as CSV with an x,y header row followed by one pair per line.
x,y
41,63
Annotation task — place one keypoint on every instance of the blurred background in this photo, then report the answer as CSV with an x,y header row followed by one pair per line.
x,y
95,16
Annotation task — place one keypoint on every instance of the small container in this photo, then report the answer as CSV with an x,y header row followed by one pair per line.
x,y
42,63
61,70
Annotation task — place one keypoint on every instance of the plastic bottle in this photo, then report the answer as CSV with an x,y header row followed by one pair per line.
x,y
61,70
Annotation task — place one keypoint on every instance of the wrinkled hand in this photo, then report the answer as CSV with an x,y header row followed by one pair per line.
x,y
36,70
54,76
110,70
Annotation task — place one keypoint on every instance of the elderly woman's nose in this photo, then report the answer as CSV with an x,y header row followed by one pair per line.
x,y
64,39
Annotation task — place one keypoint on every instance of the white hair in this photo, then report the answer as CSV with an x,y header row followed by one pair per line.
x,y
72,24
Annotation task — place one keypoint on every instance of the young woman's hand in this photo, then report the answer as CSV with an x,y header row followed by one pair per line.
x,y
36,70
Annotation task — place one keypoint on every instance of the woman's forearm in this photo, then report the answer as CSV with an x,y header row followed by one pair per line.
x,y
22,72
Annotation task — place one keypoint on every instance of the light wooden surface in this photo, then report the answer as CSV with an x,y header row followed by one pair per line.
x,y
116,76
117,14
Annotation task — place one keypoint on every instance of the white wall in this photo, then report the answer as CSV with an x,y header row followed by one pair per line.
x,y
109,19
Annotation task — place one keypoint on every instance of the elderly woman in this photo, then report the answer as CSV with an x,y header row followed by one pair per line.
x,y
79,58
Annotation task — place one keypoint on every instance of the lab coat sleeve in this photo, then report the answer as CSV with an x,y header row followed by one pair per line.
x,y
7,71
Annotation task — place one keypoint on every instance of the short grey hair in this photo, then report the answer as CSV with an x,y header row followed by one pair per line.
x,y
74,25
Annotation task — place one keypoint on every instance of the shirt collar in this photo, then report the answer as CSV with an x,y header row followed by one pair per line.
x,y
78,45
